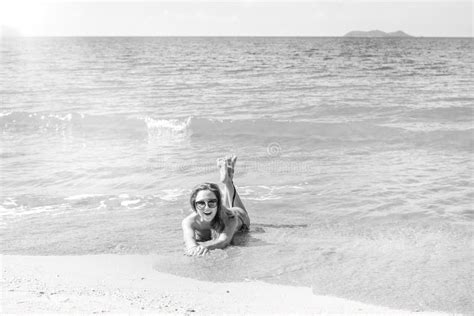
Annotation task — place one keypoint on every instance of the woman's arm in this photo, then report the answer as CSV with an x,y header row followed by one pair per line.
x,y
191,246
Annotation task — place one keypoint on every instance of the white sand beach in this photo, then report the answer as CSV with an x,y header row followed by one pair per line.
x,y
128,284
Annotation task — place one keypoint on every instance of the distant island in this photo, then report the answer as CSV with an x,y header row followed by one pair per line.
x,y
376,33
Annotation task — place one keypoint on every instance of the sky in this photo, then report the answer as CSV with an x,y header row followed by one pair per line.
x,y
234,18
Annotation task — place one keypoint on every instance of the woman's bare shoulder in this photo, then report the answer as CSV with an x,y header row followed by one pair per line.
x,y
189,220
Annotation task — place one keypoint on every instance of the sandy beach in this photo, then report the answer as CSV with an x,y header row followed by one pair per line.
x,y
128,284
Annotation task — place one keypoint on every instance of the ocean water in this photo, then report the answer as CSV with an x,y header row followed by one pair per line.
x,y
355,157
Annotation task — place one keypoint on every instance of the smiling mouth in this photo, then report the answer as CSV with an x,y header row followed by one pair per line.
x,y
209,213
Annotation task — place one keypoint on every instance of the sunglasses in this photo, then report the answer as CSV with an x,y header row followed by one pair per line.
x,y
210,204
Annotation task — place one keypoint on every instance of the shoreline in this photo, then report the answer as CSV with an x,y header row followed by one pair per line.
x,y
128,284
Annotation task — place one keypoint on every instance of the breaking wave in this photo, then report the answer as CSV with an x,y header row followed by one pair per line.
x,y
141,127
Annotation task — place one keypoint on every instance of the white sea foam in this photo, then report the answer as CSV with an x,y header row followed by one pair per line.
x,y
9,202
160,127
265,192
130,202
24,211
172,195
81,197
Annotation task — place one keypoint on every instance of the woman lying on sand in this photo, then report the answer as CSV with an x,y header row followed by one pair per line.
x,y
214,220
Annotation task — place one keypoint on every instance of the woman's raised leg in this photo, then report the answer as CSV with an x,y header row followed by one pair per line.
x,y
231,196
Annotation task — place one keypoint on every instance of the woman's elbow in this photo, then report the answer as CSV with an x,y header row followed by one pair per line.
x,y
225,242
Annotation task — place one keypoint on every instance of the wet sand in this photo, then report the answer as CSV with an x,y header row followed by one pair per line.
x,y
128,284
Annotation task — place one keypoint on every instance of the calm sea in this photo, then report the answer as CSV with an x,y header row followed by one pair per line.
x,y
355,157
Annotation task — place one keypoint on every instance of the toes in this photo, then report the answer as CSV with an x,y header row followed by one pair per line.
x,y
229,162
220,162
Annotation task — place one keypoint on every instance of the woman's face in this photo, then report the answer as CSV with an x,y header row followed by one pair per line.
x,y
206,205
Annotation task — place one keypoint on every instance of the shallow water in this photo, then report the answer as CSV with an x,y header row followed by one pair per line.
x,y
354,157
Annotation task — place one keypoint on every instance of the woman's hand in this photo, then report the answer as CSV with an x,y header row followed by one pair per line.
x,y
197,251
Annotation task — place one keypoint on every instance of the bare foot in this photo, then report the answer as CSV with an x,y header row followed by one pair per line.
x,y
226,168
223,172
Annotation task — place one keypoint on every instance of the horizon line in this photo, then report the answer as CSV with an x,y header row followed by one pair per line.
x,y
229,36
